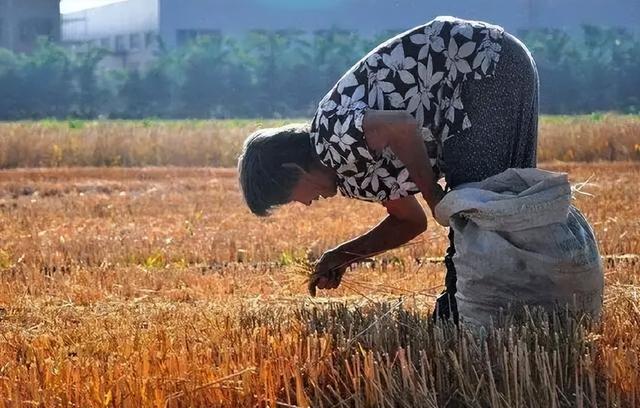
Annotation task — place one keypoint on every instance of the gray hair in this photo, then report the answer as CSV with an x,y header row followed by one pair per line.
x,y
269,165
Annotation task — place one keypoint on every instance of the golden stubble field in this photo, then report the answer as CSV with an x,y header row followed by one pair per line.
x,y
156,287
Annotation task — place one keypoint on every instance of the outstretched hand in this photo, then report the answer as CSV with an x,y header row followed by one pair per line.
x,y
328,271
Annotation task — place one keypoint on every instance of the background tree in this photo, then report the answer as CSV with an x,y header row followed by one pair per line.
x,y
284,73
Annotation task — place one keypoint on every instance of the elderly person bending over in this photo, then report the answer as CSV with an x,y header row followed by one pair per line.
x,y
451,98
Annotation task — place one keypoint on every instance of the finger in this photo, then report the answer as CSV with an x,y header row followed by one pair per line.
x,y
336,277
333,281
323,282
312,285
339,278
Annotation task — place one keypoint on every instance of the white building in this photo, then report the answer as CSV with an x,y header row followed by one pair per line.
x,y
133,29
22,22
130,29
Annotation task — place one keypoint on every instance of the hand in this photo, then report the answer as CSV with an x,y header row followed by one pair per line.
x,y
328,270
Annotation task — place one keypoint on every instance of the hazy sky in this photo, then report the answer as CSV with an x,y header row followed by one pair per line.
x,y
68,6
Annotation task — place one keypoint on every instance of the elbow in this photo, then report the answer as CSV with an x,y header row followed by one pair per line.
x,y
417,225
420,226
413,226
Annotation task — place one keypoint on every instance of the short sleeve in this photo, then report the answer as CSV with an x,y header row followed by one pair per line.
x,y
337,130
338,136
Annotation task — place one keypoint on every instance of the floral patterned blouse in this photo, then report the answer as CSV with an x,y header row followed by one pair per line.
x,y
420,71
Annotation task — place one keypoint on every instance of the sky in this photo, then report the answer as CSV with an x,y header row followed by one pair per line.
x,y
69,6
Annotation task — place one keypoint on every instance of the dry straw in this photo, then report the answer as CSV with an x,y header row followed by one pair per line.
x,y
156,287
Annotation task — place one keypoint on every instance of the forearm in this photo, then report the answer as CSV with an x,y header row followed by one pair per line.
x,y
390,233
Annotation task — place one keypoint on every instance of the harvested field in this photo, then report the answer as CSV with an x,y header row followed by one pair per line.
x,y
584,138
156,287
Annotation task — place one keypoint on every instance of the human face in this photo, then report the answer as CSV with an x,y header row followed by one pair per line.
x,y
312,185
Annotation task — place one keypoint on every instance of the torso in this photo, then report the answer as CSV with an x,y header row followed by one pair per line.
x,y
420,71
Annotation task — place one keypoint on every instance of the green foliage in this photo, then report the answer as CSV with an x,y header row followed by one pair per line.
x,y
76,124
597,71
276,74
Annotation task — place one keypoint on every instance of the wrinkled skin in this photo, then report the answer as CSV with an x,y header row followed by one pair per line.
x,y
319,181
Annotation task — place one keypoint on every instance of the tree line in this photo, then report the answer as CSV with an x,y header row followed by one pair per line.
x,y
273,74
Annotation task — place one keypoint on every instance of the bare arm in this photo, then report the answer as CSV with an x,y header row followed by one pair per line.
x,y
405,220
398,130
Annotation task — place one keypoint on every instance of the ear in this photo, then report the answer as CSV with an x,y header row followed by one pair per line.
x,y
294,166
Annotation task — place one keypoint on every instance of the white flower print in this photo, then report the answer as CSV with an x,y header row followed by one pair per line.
x,y
466,123
427,135
456,58
397,163
430,38
318,145
464,29
332,155
372,60
420,96
358,118
422,72
452,104
328,106
437,115
348,80
396,100
489,52
379,197
398,63
378,87
374,173
339,139
346,187
341,135
400,186
348,168
351,103
324,121
444,135
353,181
364,153
494,31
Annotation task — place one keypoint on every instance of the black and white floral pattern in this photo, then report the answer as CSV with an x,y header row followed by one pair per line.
x,y
420,71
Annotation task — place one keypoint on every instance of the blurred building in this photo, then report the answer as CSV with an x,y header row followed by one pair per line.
x,y
129,29
22,22
135,29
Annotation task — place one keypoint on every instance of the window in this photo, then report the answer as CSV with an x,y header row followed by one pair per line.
x,y
149,39
120,46
184,37
32,28
134,41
